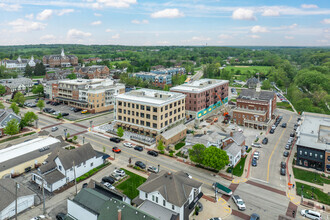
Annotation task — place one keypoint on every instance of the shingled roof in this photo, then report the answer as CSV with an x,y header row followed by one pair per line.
x,y
174,187
252,94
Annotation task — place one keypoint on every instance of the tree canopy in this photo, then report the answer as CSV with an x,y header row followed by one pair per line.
x,y
215,158
196,154
41,104
14,107
38,89
120,132
12,127
19,98
28,119
2,89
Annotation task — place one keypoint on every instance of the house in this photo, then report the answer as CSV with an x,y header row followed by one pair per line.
x,y
17,84
25,198
93,205
5,116
252,83
63,166
57,75
19,63
173,135
167,195
92,72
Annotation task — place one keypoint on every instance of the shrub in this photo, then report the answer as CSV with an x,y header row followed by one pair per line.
x,y
179,145
248,150
171,154
162,152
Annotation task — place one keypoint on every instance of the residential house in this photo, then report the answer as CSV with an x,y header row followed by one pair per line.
x,y
57,75
5,116
16,85
92,72
63,166
159,80
167,195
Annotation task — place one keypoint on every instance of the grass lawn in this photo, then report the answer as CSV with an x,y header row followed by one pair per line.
x,y
31,97
310,176
284,105
38,77
237,170
130,185
252,69
318,194
179,145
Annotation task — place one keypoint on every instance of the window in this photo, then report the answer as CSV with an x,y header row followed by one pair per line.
x,y
161,125
132,120
137,114
156,199
154,117
148,108
172,207
166,107
128,120
142,115
166,115
321,156
171,105
153,198
124,118
305,153
142,122
128,112
124,111
137,106
165,123
161,109
119,117
132,105
124,104
148,124
164,202
155,109
91,164
315,155
300,152
174,104
60,167
148,116
174,111
154,125
146,195
310,154
133,113
175,118
137,121
142,107
119,110
171,120
128,105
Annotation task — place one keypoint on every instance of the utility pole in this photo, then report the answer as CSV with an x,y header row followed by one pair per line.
x,y
83,139
43,198
16,200
74,173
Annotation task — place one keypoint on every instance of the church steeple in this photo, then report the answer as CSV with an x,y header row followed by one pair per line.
x,y
62,53
19,59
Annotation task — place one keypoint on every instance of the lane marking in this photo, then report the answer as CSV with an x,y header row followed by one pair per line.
x,y
278,141
264,181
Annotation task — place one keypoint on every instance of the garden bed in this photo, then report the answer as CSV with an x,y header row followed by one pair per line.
x,y
92,172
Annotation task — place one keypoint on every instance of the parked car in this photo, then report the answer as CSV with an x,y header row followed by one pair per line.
x,y
60,216
295,127
311,214
77,110
56,113
32,105
140,164
65,114
120,172
256,155
215,218
255,144
127,144
116,176
46,110
38,217
114,139
108,179
51,111
153,153
282,172
152,169
274,126
108,185
48,102
254,162
254,216
54,129
272,131
265,141
239,202
283,164
283,125
84,111
116,150
138,148
287,147
292,134
286,154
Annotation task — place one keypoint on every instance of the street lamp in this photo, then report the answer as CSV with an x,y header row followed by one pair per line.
x,y
83,139
91,122
65,130
290,178
302,193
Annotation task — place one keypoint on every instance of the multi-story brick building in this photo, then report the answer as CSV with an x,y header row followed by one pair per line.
x,y
93,95
60,60
313,149
152,113
203,96
255,108
92,72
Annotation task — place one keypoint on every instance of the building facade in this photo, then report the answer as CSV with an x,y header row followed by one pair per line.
x,y
203,96
149,112
19,63
60,60
5,116
313,149
255,108
92,72
159,80
18,84
170,71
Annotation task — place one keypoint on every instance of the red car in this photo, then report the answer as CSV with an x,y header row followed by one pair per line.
x,y
116,150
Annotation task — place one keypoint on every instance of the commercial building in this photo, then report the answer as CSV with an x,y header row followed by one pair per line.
x,y
92,72
170,71
203,96
313,143
255,108
19,63
167,195
16,85
25,198
93,95
159,80
5,116
150,112
60,60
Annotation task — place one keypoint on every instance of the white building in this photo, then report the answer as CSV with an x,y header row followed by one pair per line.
x,y
168,195
19,63
17,84
63,166
8,195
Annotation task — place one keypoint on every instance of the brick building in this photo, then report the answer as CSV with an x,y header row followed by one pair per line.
x,y
60,60
203,96
255,108
92,72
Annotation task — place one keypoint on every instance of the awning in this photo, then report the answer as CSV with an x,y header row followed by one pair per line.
x,y
196,199
141,128
147,130
134,127
154,132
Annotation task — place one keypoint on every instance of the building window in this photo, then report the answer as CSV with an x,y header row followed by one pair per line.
x,y
155,109
124,118
321,156
146,195
161,125
148,116
137,114
91,164
166,115
310,154
132,105
128,120
300,152
137,106
142,115
137,121
128,105
161,109
154,117
142,107
171,105
315,155
128,112
124,111
119,117
153,198
148,124
174,111
170,120
60,167
166,107
164,202
305,153
132,120
156,199
142,122
172,207
133,113
170,113
154,125
148,108
119,110
165,123
124,104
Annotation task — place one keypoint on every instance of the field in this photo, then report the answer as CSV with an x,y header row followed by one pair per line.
x,y
241,72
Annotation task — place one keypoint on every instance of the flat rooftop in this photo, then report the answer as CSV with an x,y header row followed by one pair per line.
x,y
199,86
150,96
314,132
82,81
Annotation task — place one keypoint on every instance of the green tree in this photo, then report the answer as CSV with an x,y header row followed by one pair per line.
x,y
2,90
28,119
14,107
1,105
265,85
19,98
120,132
39,89
28,71
41,104
215,158
12,127
75,137
196,154
160,145
39,69
166,88
72,76
59,116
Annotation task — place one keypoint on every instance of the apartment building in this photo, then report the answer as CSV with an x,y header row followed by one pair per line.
x,y
93,95
150,112
203,96
157,79
170,71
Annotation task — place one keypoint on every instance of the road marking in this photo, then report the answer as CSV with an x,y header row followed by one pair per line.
x,y
259,180
227,209
278,141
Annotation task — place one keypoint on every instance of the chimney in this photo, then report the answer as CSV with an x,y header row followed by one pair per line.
x,y
119,214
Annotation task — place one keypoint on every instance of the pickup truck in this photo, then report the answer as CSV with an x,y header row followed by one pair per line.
x,y
222,189
239,202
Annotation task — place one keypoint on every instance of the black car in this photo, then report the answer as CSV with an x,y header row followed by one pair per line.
x,y
140,164
272,131
292,134
60,216
286,154
138,148
153,153
77,110
51,111
295,127
265,141
114,139
65,114
283,164
283,172
108,179
47,110
48,102
283,125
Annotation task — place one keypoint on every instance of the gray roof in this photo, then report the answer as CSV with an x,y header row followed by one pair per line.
x,y
8,190
233,149
252,94
156,210
14,83
174,187
174,131
238,137
6,115
197,139
53,176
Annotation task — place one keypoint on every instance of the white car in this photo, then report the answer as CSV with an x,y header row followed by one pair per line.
x,y
126,144
311,214
56,113
119,172
153,169
274,127
116,176
255,144
256,155
38,217
239,202
108,185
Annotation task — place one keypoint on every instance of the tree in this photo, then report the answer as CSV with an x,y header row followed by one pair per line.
x,y
12,127
2,90
265,85
75,137
39,89
28,119
166,88
19,98
41,104
215,158
14,107
39,69
72,76
160,145
120,132
1,105
196,154
28,71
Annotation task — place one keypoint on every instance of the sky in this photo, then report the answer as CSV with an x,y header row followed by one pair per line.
x,y
166,22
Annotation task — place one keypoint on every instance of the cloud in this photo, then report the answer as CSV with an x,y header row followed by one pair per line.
x,y
64,11
258,29
116,36
326,21
254,36
168,13
289,37
96,23
114,3
200,38
270,12
225,36
48,37
21,25
29,16
8,7
97,14
139,22
309,6
45,14
74,33
293,26
243,14
108,30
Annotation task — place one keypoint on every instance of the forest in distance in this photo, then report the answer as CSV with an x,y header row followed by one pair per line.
x,y
303,72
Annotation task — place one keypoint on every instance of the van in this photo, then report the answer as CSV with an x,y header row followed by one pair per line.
x,y
311,214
